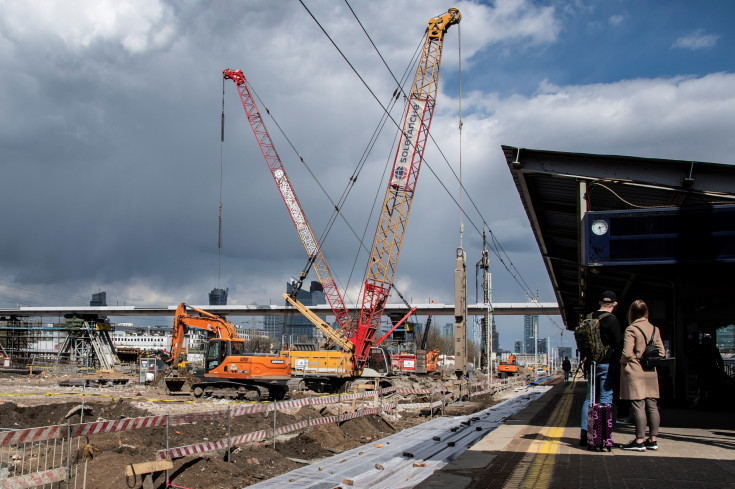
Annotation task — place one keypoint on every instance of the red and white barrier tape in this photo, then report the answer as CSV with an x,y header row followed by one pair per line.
x,y
31,435
60,431
256,436
34,480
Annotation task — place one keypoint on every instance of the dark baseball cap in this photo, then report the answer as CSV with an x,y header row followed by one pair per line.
x,y
608,296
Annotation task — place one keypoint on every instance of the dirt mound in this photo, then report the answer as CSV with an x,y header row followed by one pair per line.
x,y
304,447
15,417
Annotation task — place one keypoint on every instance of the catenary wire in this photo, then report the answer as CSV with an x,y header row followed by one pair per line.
x,y
516,275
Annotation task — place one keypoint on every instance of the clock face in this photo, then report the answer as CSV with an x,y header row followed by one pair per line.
x,y
599,227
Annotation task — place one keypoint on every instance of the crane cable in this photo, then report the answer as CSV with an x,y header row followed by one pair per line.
x,y
337,207
221,173
459,54
512,270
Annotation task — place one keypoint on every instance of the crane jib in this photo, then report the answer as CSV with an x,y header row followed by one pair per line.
x,y
289,197
407,146
297,215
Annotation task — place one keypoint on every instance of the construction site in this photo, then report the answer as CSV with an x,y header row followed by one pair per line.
x,y
95,431
352,403
301,402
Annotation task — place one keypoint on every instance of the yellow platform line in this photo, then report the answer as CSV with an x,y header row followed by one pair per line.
x,y
537,466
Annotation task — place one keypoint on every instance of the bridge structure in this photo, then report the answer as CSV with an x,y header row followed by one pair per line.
x,y
87,340
478,309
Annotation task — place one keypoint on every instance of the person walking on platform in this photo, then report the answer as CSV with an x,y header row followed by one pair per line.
x,y
637,384
566,366
607,371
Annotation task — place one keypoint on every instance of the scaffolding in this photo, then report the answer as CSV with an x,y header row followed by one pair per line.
x,y
76,343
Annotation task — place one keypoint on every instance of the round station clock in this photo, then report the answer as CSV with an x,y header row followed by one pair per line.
x,y
599,227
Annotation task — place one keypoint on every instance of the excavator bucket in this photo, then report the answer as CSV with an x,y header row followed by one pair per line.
x,y
176,380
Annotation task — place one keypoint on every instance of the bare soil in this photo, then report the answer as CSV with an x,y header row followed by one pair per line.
x,y
39,401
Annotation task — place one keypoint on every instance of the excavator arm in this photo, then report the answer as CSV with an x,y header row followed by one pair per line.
x,y
204,320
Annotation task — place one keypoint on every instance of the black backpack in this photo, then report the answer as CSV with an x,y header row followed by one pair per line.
x,y
589,339
650,358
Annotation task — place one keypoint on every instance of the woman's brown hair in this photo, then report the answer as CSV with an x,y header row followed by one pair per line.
x,y
638,309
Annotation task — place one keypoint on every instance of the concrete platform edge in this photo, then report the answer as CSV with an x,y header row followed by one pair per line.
x,y
483,453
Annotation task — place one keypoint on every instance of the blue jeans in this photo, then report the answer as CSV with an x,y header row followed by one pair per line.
x,y
604,385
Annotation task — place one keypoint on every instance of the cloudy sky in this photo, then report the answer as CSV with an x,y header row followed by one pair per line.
x,y
111,159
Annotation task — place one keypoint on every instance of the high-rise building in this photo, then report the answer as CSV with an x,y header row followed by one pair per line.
x,y
543,346
530,328
518,346
448,330
725,339
218,297
99,299
296,327
565,351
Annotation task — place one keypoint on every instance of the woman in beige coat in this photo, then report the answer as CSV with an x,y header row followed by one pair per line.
x,y
636,384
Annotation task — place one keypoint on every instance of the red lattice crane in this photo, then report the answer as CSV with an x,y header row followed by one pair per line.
x,y
289,198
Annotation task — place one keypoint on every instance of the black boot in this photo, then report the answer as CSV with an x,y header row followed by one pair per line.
x,y
583,438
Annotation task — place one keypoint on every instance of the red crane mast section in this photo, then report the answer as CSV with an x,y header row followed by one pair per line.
x,y
292,202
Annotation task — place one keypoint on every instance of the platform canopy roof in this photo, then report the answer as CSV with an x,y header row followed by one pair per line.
x,y
693,201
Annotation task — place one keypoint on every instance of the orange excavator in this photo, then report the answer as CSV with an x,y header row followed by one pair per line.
x,y
229,370
507,368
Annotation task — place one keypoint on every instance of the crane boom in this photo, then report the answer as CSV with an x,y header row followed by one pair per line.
x,y
398,197
321,269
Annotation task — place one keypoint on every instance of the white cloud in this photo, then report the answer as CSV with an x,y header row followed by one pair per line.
x,y
137,25
696,40
517,20
678,118
616,20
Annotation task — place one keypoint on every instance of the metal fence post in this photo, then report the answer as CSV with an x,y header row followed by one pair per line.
x,y
229,433
167,443
444,398
431,403
68,454
275,409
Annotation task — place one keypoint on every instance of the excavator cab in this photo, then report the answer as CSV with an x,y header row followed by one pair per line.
x,y
378,364
218,349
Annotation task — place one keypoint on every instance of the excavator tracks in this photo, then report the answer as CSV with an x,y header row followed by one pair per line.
x,y
239,391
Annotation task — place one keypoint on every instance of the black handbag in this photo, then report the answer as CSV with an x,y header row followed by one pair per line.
x,y
650,358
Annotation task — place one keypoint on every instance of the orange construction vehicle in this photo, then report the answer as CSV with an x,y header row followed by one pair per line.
x,y
229,370
423,361
507,368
